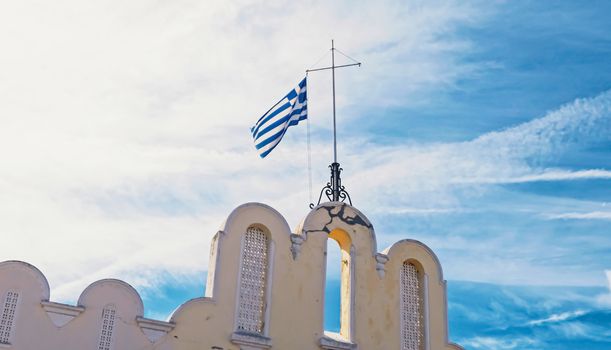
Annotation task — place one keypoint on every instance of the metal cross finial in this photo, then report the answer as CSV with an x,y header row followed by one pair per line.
x,y
334,189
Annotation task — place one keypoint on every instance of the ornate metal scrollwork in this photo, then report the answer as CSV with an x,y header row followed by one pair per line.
x,y
334,190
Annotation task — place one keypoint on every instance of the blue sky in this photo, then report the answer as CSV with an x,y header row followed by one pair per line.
x,y
487,125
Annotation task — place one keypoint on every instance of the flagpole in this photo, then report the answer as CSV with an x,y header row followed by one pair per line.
x,y
335,169
334,190
334,124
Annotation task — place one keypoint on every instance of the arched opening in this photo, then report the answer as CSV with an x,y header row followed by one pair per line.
x,y
253,281
333,287
338,284
413,288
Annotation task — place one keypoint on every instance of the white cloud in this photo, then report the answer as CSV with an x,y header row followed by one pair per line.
x,y
124,126
581,121
595,215
555,318
449,178
435,176
545,175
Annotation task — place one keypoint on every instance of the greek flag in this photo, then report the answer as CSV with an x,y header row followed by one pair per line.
x,y
289,111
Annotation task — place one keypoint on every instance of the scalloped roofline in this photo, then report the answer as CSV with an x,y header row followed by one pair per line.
x,y
228,221
180,307
115,281
422,245
234,212
374,241
42,278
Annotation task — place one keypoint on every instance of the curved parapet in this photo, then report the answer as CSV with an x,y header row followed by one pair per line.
x,y
254,209
409,249
60,326
431,284
454,346
330,216
265,289
20,275
186,305
228,239
112,291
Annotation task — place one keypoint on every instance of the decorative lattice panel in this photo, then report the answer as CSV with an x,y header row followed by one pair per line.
x,y
8,316
252,281
411,308
108,325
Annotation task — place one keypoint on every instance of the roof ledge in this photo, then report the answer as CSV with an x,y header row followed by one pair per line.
x,y
61,314
334,341
154,329
251,341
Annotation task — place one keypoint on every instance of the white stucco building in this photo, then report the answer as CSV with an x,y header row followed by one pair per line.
x,y
265,290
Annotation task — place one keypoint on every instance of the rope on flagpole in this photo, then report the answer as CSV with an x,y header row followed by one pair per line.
x,y
317,62
309,151
348,57
308,135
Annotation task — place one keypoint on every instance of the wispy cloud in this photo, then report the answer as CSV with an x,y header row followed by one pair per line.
x,y
466,178
432,176
530,318
605,299
558,317
546,175
582,121
126,144
122,141
595,215
420,211
492,343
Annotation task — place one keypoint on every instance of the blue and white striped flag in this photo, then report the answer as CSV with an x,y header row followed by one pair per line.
x,y
271,127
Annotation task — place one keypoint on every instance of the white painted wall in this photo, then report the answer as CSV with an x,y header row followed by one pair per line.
x,y
294,295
